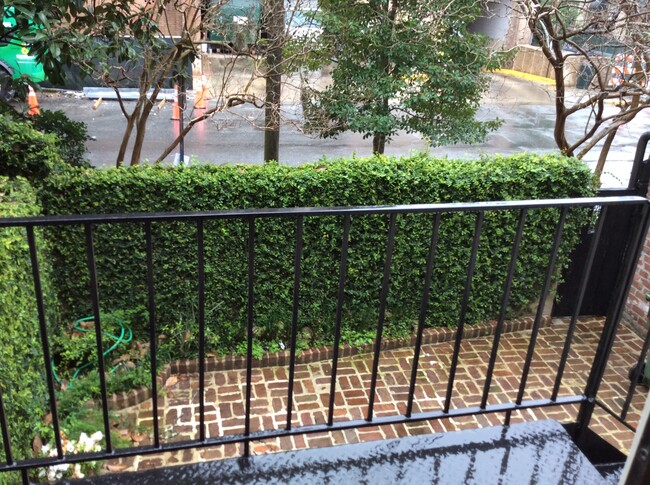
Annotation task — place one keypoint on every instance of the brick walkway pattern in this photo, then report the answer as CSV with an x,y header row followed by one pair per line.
x,y
225,393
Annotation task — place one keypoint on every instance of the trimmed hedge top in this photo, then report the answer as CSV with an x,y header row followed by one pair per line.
x,y
375,181
343,182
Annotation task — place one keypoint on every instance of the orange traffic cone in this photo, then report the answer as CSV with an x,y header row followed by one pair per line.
x,y
176,110
33,103
201,95
204,87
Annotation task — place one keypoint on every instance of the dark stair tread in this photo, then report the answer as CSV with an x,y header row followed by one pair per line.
x,y
539,452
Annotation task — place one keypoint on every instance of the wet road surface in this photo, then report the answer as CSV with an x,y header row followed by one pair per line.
x,y
525,107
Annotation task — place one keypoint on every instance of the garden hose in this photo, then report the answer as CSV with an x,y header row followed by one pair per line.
x,y
125,336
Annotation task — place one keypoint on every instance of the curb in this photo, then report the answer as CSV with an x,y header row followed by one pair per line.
x,y
525,76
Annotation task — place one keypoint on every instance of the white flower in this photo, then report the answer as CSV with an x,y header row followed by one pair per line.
x,y
69,447
85,442
45,449
77,472
97,436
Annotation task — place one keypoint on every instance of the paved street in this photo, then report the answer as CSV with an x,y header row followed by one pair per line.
x,y
236,137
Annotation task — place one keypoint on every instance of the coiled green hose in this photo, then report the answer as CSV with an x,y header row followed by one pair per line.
x,y
125,336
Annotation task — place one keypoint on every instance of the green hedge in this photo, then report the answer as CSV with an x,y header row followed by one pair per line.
x,y
375,181
71,136
21,359
26,152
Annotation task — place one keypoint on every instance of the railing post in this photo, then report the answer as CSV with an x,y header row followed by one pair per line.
x,y
614,314
640,174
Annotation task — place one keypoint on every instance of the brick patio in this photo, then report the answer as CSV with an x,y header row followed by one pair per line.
x,y
225,393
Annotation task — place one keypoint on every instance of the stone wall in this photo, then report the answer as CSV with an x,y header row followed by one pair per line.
x,y
531,60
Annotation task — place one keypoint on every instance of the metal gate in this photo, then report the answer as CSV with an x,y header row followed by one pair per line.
x,y
611,248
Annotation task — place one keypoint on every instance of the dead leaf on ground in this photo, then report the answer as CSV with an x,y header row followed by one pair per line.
x,y
171,381
264,448
37,444
137,437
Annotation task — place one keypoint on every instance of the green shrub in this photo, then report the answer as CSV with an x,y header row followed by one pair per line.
x,y
121,257
71,135
26,152
22,380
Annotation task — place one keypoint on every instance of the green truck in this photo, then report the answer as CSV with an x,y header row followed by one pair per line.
x,y
237,24
15,60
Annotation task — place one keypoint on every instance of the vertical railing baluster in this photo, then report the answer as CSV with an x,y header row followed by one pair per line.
x,y
582,288
249,333
151,299
382,314
614,315
463,309
343,271
38,291
200,240
6,440
546,287
504,306
637,369
294,316
424,305
94,293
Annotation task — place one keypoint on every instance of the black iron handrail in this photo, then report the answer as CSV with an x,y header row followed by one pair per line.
x,y
586,400
320,211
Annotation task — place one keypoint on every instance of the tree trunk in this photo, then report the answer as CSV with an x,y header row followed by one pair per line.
x,y
560,112
602,157
275,29
141,130
139,141
378,143
130,123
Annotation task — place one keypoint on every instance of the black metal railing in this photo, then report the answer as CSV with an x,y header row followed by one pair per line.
x,y
586,400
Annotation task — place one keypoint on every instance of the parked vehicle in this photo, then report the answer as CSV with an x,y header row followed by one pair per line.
x,y
15,60
237,24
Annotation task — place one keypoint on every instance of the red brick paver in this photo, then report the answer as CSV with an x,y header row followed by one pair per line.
x,y
225,393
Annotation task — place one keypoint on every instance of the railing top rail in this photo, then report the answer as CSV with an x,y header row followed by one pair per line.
x,y
320,211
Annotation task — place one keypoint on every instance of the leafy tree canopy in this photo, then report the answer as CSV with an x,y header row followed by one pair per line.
x,y
400,65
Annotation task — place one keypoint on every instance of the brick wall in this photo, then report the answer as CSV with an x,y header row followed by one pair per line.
x,y
176,14
636,309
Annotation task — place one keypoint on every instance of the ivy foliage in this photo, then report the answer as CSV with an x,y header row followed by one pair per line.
x,y
411,65
121,257
25,151
71,136
22,381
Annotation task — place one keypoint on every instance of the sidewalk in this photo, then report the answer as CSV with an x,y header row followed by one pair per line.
x,y
178,402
